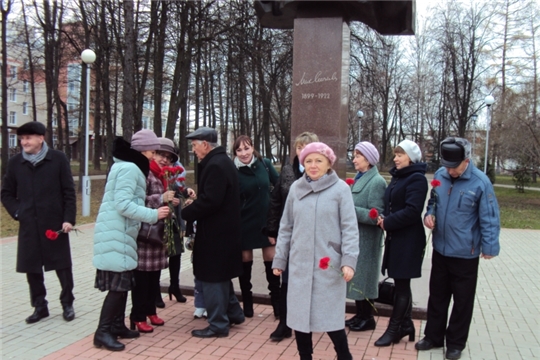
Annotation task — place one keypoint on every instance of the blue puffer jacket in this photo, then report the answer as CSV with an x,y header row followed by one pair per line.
x,y
466,213
120,215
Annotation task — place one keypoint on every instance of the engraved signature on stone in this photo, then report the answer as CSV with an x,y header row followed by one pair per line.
x,y
318,78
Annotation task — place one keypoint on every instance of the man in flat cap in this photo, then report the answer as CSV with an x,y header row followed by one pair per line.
x,y
464,216
39,193
217,253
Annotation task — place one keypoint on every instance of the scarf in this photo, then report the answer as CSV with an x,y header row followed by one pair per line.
x,y
239,164
156,170
34,159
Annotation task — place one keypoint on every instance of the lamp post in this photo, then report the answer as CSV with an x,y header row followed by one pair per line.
x,y
489,100
474,117
88,57
360,115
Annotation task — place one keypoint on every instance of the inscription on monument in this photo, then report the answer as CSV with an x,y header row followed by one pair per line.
x,y
318,78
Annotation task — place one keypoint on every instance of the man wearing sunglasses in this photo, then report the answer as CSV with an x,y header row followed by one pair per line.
x,y
464,216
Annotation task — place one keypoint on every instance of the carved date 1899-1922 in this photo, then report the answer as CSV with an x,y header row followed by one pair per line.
x,y
315,96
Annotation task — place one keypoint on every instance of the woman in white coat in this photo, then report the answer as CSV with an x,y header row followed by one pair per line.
x,y
318,222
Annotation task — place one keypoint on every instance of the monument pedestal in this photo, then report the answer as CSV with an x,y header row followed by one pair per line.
x,y
320,88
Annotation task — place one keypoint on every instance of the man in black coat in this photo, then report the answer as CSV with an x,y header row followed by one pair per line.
x,y
217,252
39,193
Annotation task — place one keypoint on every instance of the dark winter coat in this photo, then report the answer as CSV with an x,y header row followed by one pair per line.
x,y
255,181
217,253
404,201
41,198
289,174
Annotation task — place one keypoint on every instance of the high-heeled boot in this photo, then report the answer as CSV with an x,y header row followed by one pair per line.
x,y
407,325
274,283
339,339
393,331
282,331
304,344
366,321
174,272
103,336
118,327
245,288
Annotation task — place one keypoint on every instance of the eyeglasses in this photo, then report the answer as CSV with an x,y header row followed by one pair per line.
x,y
164,156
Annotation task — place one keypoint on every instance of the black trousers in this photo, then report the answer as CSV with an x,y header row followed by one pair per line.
x,y
38,292
451,277
222,305
143,295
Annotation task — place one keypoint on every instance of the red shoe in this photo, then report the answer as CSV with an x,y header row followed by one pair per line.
x,y
142,326
154,320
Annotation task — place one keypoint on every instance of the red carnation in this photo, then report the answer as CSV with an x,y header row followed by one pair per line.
x,y
435,183
51,234
324,263
349,181
373,213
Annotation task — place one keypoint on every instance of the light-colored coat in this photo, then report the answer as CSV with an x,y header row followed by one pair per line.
x,y
119,219
368,193
318,221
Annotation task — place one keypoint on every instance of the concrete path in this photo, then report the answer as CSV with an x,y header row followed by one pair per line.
x,y
506,322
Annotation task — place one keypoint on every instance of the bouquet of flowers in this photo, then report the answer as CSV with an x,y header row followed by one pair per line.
x,y
434,185
171,176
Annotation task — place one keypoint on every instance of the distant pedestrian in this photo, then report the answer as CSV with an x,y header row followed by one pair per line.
x,y
115,236
217,253
405,242
463,215
318,230
38,192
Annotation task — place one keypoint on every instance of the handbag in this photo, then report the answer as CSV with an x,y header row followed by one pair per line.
x,y
386,292
152,233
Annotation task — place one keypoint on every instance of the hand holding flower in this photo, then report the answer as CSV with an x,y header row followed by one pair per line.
x,y
277,272
348,273
429,222
191,193
163,212
168,196
67,227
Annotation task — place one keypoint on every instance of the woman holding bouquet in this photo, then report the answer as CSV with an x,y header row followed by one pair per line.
x,y
318,223
115,248
152,256
405,236
166,156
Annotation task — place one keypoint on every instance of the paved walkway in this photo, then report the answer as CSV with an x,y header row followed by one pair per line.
x,y
506,321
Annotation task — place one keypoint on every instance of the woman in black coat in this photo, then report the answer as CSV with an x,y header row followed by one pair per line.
x,y
405,235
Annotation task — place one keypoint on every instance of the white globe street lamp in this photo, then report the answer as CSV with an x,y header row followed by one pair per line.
x,y
360,115
489,100
88,57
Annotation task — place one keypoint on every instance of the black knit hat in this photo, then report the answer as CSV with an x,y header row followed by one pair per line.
x,y
32,128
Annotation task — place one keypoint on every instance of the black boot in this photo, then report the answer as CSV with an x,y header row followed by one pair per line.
x,y
174,272
304,345
407,325
112,305
282,331
339,339
245,287
118,327
366,320
393,331
274,287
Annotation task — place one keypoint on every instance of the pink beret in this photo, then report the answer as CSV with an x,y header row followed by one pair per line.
x,y
320,148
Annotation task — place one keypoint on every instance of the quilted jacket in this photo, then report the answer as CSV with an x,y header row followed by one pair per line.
x,y
122,211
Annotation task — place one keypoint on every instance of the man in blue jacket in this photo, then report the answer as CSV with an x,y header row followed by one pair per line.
x,y
464,216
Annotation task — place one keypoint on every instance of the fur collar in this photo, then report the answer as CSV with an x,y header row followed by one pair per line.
x,y
122,150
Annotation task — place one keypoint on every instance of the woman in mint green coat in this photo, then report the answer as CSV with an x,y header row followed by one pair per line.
x,y
368,193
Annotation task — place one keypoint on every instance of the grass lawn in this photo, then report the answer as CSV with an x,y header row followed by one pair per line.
x,y
507,180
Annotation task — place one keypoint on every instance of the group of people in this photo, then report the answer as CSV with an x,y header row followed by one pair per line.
x,y
322,240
